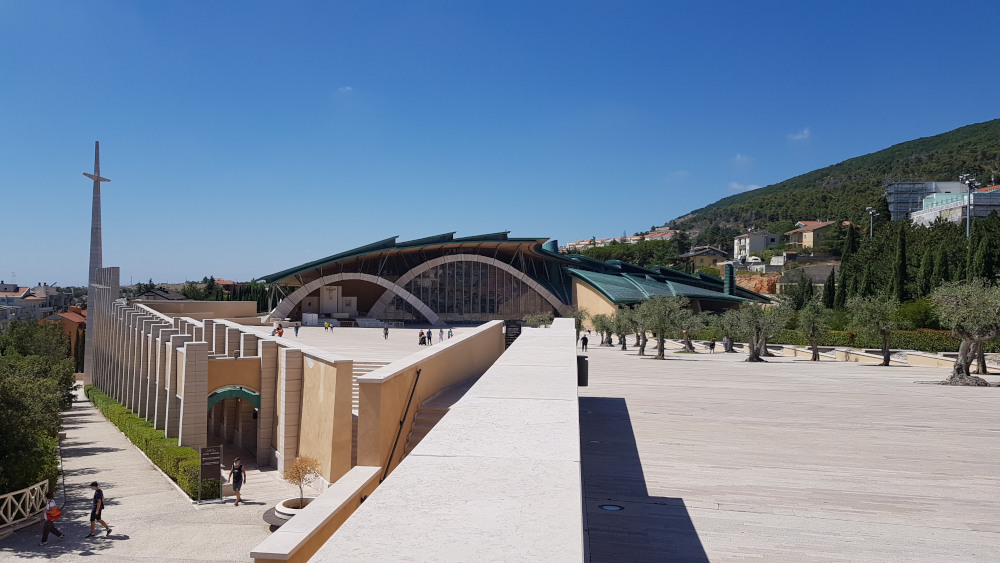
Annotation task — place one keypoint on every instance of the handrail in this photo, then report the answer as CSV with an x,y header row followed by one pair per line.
x,y
399,431
23,504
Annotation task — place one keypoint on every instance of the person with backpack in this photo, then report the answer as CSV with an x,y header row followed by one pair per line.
x,y
95,511
52,513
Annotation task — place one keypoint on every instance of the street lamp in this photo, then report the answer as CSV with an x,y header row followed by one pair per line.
x,y
973,185
872,214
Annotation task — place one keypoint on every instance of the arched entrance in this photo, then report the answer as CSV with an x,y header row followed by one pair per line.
x,y
233,421
288,303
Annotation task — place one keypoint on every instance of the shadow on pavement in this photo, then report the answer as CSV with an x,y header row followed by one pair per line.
x,y
645,528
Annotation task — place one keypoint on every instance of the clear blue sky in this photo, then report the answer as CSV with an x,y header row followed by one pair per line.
x,y
243,138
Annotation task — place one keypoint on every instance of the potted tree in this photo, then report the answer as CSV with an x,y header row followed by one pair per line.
x,y
300,471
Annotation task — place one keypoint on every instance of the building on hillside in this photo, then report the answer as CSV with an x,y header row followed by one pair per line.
x,y
446,280
581,245
818,273
704,257
906,197
808,234
954,206
751,242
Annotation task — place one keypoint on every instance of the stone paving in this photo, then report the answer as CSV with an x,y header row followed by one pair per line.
x,y
151,519
716,459
359,344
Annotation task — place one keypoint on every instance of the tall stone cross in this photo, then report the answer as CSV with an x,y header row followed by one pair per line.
x,y
96,259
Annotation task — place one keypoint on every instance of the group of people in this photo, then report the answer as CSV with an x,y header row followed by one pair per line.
x,y
727,343
53,512
427,338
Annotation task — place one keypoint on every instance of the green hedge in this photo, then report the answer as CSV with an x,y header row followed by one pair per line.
x,y
181,463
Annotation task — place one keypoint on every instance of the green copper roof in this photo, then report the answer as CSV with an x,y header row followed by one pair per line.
x,y
632,288
391,243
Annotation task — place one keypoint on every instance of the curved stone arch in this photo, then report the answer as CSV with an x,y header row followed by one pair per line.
x,y
288,303
233,392
380,306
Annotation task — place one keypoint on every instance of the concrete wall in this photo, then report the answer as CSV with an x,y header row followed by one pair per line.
x,y
588,299
326,404
384,392
199,310
244,372
497,479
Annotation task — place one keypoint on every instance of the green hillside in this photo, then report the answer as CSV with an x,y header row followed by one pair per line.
x,y
842,191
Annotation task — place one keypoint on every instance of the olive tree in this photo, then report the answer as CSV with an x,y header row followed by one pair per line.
x,y
813,325
624,324
666,316
972,310
877,316
604,326
579,317
756,324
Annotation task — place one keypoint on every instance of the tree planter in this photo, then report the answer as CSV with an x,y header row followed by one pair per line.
x,y
290,507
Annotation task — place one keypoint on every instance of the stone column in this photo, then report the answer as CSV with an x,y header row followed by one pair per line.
x,y
245,429
219,334
248,345
218,412
232,340
173,411
163,351
289,404
208,335
229,421
268,352
194,386
147,392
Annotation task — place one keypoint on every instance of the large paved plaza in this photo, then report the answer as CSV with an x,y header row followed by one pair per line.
x,y
716,459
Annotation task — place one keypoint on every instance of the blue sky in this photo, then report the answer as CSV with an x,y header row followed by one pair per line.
x,y
243,138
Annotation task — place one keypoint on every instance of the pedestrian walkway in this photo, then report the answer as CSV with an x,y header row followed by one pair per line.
x,y
151,519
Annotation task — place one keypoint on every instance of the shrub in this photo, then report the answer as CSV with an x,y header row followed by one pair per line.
x,y
180,463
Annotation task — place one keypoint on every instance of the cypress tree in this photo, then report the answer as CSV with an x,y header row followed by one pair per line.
x,y
829,289
840,297
940,272
899,267
850,244
924,278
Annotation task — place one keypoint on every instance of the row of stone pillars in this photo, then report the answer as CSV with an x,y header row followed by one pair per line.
x,y
157,366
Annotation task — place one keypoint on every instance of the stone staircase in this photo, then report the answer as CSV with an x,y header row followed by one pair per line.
x,y
432,409
360,368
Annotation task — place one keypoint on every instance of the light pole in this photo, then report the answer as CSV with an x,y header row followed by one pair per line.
x,y
973,185
871,221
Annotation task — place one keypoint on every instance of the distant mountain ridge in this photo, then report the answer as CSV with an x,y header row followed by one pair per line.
x,y
842,191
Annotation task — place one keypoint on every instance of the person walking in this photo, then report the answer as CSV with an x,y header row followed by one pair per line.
x,y
450,334
385,332
237,475
711,346
296,330
326,327
421,339
583,342
51,513
430,337
726,343
96,510
440,335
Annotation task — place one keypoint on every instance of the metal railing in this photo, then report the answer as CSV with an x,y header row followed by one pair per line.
x,y
21,505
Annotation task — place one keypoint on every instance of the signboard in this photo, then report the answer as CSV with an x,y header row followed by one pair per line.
x,y
211,463
512,329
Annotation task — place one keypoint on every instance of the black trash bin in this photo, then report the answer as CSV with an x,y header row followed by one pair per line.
x,y
582,371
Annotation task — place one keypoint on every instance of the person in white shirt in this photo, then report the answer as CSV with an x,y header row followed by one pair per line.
x,y
51,513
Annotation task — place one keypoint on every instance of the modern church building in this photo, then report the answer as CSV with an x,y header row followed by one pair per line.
x,y
447,280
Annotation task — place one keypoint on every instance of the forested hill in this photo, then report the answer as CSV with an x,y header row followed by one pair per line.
x,y
842,191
